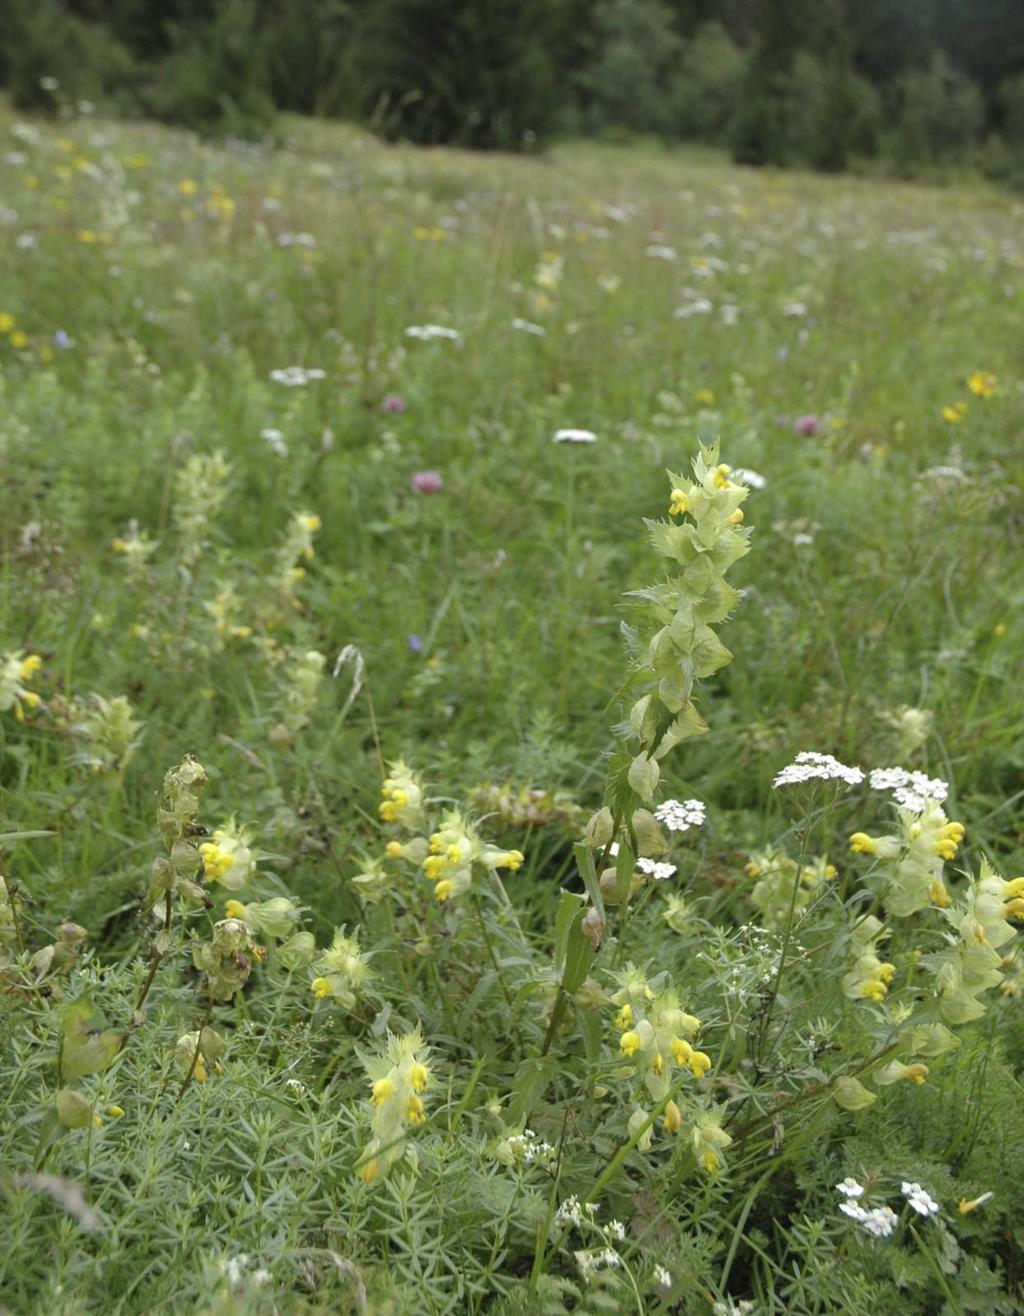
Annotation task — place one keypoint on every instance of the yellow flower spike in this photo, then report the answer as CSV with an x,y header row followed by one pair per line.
x,y
699,1064
369,1171
624,1018
443,890
393,849
673,1118
722,474
419,1077
681,1051
679,503
415,1112
115,1112
938,895
382,1089
861,843
629,1043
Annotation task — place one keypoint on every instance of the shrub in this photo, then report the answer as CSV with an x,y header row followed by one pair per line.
x,y
216,78
939,116
625,83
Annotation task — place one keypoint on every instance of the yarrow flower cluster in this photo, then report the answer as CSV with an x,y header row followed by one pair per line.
x,y
879,1221
680,815
427,333
811,766
524,1148
297,376
912,790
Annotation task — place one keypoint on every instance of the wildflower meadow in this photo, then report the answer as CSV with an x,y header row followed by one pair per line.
x,y
510,732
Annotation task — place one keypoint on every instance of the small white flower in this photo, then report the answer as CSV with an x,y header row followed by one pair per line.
x,y
429,332
662,1277
276,441
296,376
809,765
528,327
680,815
661,872
854,1211
880,1222
574,436
801,539
617,1230
912,789
658,251
569,1212
752,479
850,1188
698,306
919,1199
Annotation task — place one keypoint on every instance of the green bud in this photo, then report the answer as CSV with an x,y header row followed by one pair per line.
x,y
851,1094
73,1110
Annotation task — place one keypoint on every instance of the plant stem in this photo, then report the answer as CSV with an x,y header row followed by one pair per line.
x,y
199,1043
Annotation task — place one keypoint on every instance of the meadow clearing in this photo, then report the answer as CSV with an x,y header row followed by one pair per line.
x,y
565,1015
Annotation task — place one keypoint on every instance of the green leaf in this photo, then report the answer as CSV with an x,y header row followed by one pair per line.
x,y
579,956
569,907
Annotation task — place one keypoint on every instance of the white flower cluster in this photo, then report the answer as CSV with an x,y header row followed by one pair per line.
x,y
919,1199
572,1212
659,871
527,1147
574,436
809,766
680,815
729,1308
912,789
428,333
590,1262
528,327
296,376
662,1277
879,1221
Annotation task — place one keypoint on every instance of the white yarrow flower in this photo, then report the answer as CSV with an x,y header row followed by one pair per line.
x,y
659,871
850,1187
919,1199
574,436
681,815
427,333
810,766
662,1277
911,789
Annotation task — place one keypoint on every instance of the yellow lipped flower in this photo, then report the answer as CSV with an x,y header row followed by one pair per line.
x,y
679,503
982,383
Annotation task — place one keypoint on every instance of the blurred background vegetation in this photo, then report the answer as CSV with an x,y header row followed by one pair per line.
x,y
920,86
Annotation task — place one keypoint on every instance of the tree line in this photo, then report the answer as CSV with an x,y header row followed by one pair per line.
x,y
817,82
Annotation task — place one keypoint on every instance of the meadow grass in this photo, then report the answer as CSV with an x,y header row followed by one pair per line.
x,y
825,331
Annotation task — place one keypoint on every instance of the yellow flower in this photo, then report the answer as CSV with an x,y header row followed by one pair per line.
x,y
216,861
673,1118
115,1112
955,413
382,1089
966,1207
443,889
419,1077
678,504
722,473
415,1112
861,843
624,1018
19,339
629,1043
699,1064
6,322
87,235
321,988
187,187
982,383
369,1171
705,397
